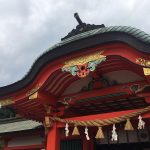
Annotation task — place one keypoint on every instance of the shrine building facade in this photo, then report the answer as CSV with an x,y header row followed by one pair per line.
x,y
90,91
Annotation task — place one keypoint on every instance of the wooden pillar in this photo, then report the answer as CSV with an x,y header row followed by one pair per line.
x,y
85,144
53,138
88,144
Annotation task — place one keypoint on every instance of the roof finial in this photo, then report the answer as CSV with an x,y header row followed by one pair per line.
x,y
78,18
82,27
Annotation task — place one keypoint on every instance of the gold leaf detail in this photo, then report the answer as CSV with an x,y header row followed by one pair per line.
x,y
84,59
33,96
146,71
5,102
33,92
143,62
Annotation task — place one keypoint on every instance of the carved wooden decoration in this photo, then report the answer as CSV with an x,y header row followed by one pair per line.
x,y
143,62
82,66
146,71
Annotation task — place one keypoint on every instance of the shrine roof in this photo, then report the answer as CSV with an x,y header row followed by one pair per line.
x,y
17,124
137,33
125,34
141,35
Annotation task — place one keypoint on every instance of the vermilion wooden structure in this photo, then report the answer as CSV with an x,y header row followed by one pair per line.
x,y
117,86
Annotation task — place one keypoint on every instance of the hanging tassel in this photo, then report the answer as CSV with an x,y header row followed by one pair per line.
x,y
67,129
100,134
114,134
75,131
86,133
128,126
141,124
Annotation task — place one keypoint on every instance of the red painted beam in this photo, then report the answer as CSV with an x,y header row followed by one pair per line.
x,y
24,102
59,82
42,98
36,113
22,105
114,63
50,79
38,109
65,85
110,66
145,95
148,78
101,92
121,66
147,100
46,98
103,71
33,117
28,110
56,79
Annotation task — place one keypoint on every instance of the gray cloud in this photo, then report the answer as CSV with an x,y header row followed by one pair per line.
x,y
29,27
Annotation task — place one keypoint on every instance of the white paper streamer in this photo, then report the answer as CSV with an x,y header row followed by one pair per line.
x,y
114,134
67,129
141,124
86,133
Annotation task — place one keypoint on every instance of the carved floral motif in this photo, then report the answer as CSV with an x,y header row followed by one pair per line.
x,y
146,64
82,66
143,62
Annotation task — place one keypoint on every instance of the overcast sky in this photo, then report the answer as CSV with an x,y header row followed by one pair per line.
x,y
29,27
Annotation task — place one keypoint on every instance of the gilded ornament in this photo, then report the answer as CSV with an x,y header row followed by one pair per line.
x,y
143,62
33,93
34,96
5,102
83,65
84,59
146,71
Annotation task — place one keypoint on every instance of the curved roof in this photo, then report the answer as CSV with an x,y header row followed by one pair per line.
x,y
18,124
129,35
